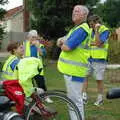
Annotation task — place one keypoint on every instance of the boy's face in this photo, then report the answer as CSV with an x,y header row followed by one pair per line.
x,y
92,24
20,50
77,15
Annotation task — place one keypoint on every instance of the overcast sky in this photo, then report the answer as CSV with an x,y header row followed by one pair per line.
x,y
15,3
12,4
103,0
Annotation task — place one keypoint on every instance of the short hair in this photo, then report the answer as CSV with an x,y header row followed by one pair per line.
x,y
94,18
13,45
84,9
32,33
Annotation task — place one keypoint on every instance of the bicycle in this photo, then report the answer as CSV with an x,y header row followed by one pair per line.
x,y
39,109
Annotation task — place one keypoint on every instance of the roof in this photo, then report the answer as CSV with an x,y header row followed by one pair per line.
x,y
13,11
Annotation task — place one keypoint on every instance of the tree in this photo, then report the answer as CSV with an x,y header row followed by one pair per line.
x,y
52,17
109,11
2,12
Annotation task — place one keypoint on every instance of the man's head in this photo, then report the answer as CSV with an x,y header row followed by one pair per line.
x,y
32,36
79,14
93,20
32,33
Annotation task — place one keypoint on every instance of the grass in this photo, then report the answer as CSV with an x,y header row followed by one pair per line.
x,y
110,110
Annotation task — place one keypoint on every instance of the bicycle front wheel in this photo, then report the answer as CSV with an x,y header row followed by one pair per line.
x,y
60,109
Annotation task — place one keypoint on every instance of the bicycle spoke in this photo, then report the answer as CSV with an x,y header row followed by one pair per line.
x,y
60,109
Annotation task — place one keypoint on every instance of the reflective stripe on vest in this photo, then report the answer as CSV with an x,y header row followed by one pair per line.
x,y
105,49
73,62
7,72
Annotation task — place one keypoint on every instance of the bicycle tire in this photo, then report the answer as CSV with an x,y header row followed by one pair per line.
x,y
58,97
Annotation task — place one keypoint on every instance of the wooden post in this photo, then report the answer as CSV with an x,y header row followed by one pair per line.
x,y
118,34
25,16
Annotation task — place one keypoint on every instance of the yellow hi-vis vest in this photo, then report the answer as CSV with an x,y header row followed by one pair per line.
x,y
27,52
75,62
7,72
99,52
27,69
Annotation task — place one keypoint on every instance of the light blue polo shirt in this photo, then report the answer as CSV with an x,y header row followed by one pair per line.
x,y
33,51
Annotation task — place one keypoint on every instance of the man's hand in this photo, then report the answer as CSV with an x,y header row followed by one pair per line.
x,y
61,41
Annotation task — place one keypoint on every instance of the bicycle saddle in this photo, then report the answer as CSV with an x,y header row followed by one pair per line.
x,y
113,93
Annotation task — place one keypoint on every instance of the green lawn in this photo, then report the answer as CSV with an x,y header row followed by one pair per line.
x,y
110,110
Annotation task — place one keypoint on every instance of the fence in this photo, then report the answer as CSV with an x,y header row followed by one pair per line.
x,y
113,68
12,36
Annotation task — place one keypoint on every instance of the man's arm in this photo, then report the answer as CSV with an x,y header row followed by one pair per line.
x,y
76,38
100,39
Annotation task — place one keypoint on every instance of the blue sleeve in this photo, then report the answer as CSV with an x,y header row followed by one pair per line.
x,y
76,38
104,36
14,64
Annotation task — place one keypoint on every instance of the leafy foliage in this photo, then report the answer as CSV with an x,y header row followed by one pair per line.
x,y
52,17
110,12
2,12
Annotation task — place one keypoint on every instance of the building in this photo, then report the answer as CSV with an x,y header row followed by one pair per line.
x,y
14,26
14,20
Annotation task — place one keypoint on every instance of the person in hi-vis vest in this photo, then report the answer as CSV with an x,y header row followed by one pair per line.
x,y
98,56
9,70
33,48
10,77
73,59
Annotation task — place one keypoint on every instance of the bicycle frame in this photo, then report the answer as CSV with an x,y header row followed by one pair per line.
x,y
45,113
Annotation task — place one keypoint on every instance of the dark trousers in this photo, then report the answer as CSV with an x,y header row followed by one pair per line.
x,y
40,81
